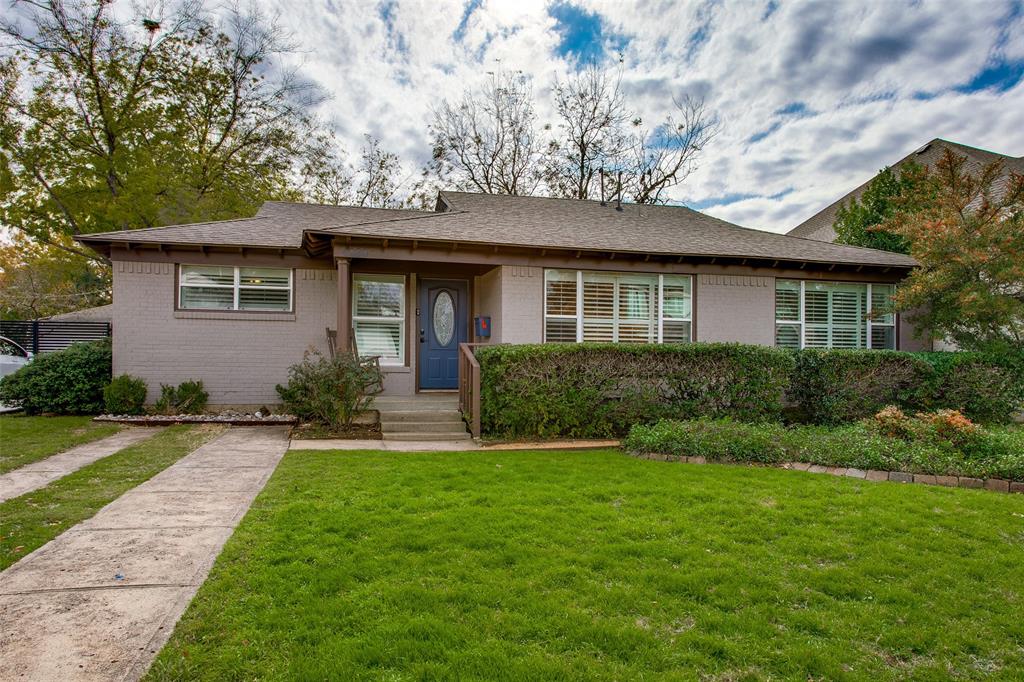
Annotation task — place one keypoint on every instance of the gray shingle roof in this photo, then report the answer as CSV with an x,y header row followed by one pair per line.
x,y
278,224
516,221
589,226
819,225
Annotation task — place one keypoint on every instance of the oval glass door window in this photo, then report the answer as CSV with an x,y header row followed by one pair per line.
x,y
444,318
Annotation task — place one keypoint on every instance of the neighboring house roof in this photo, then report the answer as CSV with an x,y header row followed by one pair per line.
x,y
100,313
819,225
533,222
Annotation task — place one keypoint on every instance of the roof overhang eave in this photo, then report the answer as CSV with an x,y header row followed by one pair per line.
x,y
622,252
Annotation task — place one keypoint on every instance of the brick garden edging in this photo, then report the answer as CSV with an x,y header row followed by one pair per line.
x,y
994,484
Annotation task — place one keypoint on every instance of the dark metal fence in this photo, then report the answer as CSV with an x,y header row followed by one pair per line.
x,y
46,336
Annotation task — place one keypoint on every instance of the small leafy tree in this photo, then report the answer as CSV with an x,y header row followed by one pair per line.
x,y
859,223
329,391
966,230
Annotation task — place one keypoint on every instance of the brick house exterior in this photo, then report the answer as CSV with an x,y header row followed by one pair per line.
x,y
235,303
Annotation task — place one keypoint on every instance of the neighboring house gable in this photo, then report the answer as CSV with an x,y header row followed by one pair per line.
x,y
820,225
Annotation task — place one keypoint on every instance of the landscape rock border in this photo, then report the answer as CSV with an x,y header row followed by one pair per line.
x,y
994,484
232,418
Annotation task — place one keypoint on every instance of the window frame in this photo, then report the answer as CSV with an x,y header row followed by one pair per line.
x,y
868,320
402,320
235,287
658,304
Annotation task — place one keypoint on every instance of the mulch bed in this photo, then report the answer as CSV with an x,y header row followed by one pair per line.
x,y
309,431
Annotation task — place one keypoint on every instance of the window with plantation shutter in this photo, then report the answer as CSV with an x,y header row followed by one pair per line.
x,y
616,307
833,315
378,316
788,316
561,315
676,308
225,287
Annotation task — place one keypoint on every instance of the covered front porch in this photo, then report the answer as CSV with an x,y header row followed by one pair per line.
x,y
414,315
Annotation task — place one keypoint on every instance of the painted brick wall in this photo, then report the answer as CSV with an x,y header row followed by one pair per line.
x,y
909,342
487,301
240,357
522,304
735,308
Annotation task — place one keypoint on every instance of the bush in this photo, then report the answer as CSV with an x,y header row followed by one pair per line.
x,y
125,395
723,440
841,386
329,391
971,451
985,387
188,398
600,390
69,381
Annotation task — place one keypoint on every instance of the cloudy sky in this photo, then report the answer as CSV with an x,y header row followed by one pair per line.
x,y
814,97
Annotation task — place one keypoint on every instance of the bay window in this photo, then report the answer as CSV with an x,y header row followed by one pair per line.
x,y
833,315
616,307
226,287
378,316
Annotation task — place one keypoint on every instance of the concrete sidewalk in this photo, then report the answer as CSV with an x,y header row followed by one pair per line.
x,y
38,474
100,600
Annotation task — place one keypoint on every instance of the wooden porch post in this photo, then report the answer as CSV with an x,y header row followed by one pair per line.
x,y
344,306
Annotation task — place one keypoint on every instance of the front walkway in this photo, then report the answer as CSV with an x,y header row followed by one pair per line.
x,y
38,474
100,600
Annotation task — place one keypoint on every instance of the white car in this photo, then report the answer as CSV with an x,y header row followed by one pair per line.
x,y
12,356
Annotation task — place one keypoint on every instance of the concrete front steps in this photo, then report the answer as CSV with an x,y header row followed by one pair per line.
x,y
423,417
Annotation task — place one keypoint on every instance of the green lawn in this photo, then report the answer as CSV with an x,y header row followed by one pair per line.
x,y
594,565
35,518
24,439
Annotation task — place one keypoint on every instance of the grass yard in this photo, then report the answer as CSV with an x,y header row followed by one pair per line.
x,y
35,518
594,565
24,439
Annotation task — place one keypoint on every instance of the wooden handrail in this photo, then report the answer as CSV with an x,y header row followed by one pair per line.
x,y
469,386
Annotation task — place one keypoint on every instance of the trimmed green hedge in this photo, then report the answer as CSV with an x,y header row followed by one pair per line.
x,y
599,390
987,388
988,453
69,381
841,386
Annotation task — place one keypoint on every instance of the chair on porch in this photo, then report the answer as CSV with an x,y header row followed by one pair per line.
x,y
368,361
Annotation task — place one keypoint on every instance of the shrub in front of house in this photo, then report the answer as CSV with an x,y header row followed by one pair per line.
x,y
125,394
592,390
69,381
188,397
942,443
988,388
329,391
842,386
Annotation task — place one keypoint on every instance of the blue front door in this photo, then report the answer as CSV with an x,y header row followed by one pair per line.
x,y
444,324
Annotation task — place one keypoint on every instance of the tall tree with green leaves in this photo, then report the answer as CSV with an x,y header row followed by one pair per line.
x,y
966,231
860,222
111,123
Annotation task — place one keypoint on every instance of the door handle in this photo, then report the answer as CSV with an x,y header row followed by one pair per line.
x,y
423,336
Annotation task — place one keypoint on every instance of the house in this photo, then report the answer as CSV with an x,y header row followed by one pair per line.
x,y
819,225
236,302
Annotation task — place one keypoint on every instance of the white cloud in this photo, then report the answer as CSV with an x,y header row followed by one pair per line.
x,y
875,81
